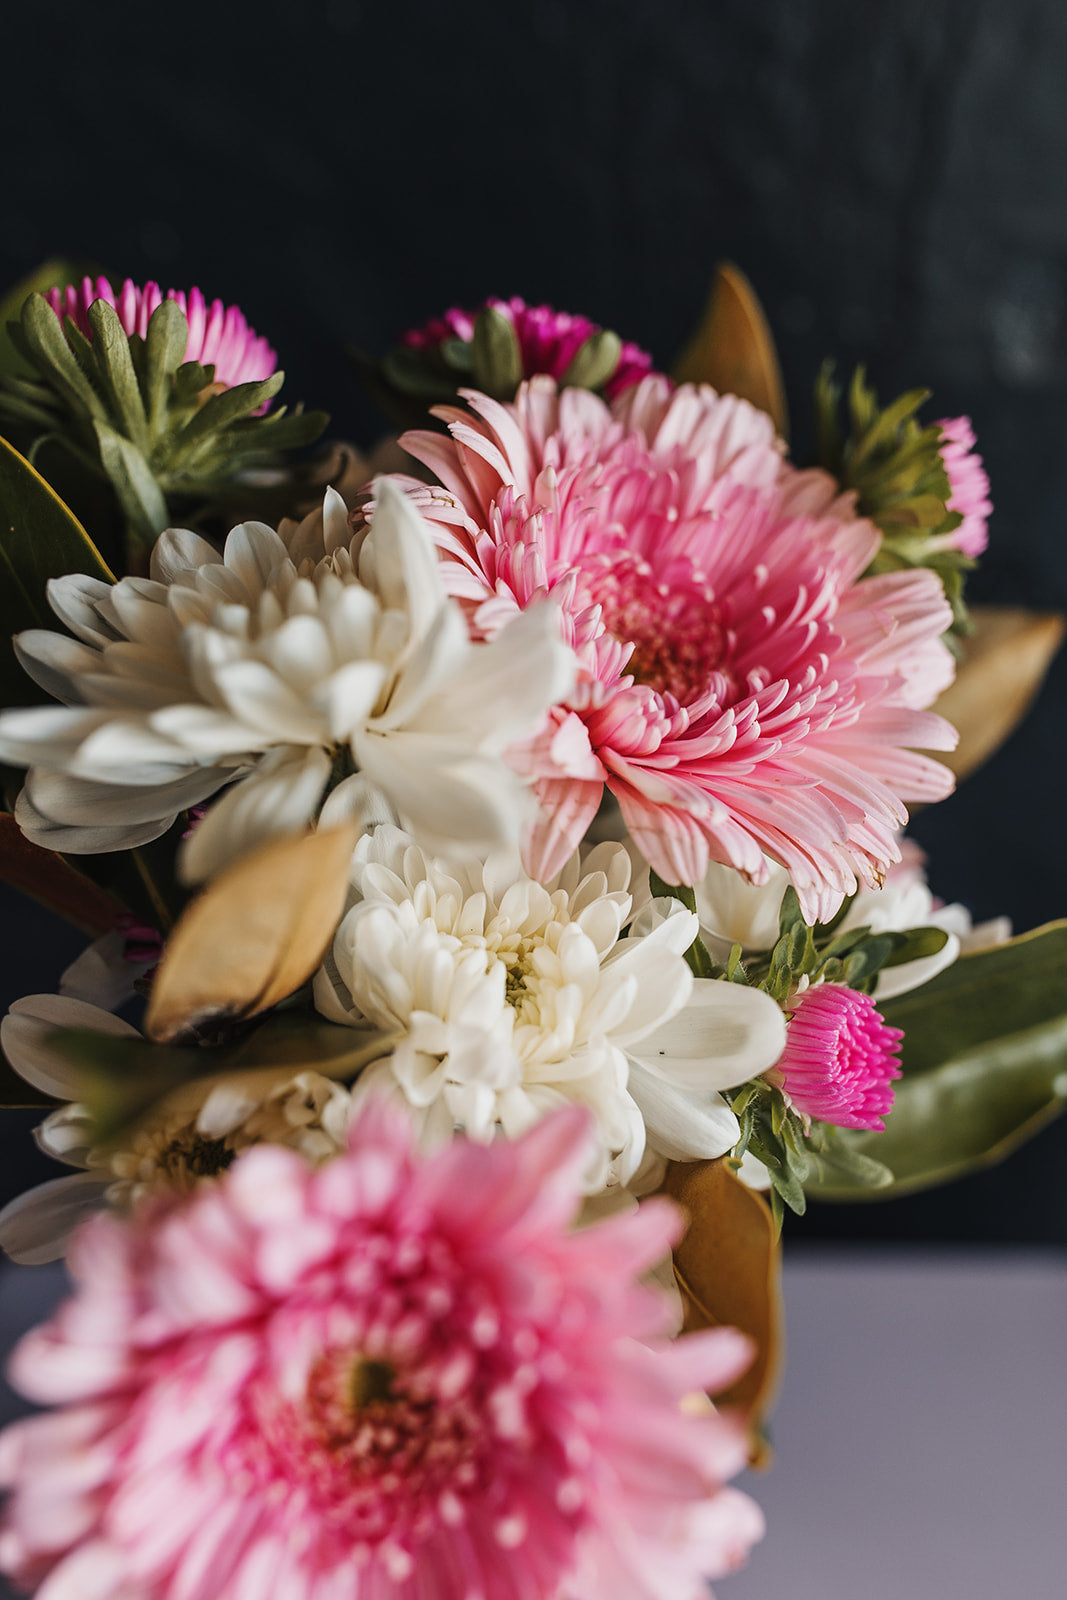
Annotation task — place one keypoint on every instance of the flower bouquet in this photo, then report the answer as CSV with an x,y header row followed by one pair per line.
x,y
492,853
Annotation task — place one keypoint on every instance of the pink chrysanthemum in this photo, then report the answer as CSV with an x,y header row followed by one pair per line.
x,y
839,1060
743,690
969,483
392,1378
219,336
548,340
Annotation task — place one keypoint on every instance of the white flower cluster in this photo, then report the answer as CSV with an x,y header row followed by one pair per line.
x,y
297,664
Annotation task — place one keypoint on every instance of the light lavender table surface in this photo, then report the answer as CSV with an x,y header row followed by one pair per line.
x,y
921,1435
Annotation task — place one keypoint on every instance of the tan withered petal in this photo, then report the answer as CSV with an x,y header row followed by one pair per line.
x,y
1004,665
254,935
728,1267
49,878
733,348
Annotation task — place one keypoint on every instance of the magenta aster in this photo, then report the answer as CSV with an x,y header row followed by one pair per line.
x,y
839,1060
219,336
743,690
390,1378
969,483
548,340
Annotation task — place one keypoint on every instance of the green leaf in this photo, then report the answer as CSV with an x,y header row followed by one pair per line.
x,y
121,1079
916,945
594,362
56,360
221,410
40,538
165,343
134,483
111,350
53,274
984,1067
496,360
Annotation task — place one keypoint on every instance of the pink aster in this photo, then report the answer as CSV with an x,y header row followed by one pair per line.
x,y
743,690
548,340
390,1378
839,1060
219,336
969,483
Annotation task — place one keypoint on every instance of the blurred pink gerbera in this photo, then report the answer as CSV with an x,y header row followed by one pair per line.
x,y
839,1060
393,1378
969,483
548,340
219,336
743,690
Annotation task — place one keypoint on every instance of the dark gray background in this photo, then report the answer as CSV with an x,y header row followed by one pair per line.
x,y
890,176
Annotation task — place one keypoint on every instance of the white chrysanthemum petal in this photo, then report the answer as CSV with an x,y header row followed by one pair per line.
x,y
26,1037
178,554
74,599
683,1125
54,662
279,797
198,676
399,562
67,1135
726,1034
35,1226
103,975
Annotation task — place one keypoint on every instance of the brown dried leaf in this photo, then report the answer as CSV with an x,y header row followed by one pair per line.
x,y
49,878
728,1267
254,935
733,348
1004,665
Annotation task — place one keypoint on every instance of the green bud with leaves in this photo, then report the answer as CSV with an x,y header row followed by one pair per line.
x,y
894,464
161,431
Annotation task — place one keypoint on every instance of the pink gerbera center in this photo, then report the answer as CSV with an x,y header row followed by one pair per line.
x,y
670,620
840,1057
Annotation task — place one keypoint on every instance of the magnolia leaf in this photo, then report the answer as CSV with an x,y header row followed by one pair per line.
x,y
53,274
984,1062
728,1267
40,538
121,1079
49,878
733,348
1004,664
254,935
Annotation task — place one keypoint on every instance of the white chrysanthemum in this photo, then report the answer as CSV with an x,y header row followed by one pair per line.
x,y
194,1133
506,997
295,662
732,912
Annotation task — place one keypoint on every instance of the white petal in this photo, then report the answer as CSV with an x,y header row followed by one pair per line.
x,y
102,975
179,553
398,561
913,974
726,1034
35,1227
26,1032
683,1126
52,835
452,798
74,600
279,797
55,662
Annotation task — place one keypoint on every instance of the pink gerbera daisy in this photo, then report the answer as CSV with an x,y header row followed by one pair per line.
x,y
969,483
743,690
219,336
391,1378
548,340
839,1060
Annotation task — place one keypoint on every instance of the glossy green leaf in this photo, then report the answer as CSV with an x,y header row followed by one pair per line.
x,y
984,1067
40,538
